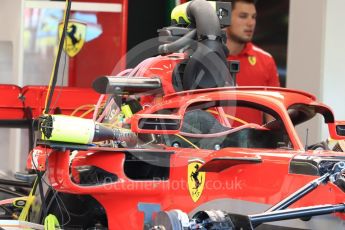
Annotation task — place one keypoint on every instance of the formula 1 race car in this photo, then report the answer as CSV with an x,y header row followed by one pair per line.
x,y
185,158
177,146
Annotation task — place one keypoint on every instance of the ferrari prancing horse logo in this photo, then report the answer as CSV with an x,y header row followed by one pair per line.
x,y
196,180
252,60
75,37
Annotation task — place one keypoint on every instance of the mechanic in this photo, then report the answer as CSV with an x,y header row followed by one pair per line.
x,y
257,67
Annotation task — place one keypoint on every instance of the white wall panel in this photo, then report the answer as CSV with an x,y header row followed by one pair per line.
x,y
334,58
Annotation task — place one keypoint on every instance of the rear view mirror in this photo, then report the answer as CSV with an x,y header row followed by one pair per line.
x,y
340,129
156,123
337,130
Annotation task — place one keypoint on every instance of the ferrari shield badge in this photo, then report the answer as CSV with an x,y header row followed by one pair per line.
x,y
75,37
196,180
252,60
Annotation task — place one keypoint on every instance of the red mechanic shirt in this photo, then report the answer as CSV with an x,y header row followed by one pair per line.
x,y
257,68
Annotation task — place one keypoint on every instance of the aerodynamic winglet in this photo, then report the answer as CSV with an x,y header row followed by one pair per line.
x,y
222,163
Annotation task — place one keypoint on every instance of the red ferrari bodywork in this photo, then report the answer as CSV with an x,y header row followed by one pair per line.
x,y
138,182
18,103
252,181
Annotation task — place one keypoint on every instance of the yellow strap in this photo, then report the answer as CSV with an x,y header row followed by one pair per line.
x,y
29,200
51,222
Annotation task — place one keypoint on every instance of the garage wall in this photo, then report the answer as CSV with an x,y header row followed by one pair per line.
x,y
5,75
10,12
316,57
334,58
11,63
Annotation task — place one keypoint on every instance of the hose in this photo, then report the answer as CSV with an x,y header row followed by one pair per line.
x,y
207,23
178,44
127,136
207,67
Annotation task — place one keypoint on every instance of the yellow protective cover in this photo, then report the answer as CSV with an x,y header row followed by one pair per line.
x,y
71,129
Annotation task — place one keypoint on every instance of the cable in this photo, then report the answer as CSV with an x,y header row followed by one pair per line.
x,y
107,108
10,192
98,105
62,80
40,187
81,107
56,197
186,140
87,112
230,117
53,77
66,210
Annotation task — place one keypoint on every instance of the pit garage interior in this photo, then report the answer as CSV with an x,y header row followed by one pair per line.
x,y
314,52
